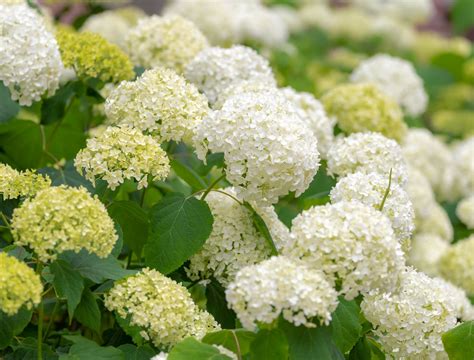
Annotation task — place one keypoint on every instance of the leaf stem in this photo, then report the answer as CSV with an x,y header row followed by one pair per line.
x,y
387,191
214,183
237,345
39,268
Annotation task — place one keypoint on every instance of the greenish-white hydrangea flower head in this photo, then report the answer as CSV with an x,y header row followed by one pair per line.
x,y
426,250
163,308
160,103
366,153
214,69
459,299
14,184
19,285
30,66
465,211
63,218
281,286
121,153
349,242
363,107
409,322
395,77
462,154
234,241
436,222
457,264
169,41
420,192
370,189
272,153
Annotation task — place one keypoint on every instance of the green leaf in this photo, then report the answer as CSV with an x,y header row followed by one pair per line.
x,y
190,348
95,268
237,341
262,228
54,108
133,352
27,349
11,326
269,345
189,175
87,312
8,107
217,305
134,223
462,15
85,349
310,343
68,284
179,226
459,342
345,325
67,175
131,330
366,349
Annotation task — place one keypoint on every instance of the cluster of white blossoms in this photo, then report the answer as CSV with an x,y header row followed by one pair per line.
x,y
349,242
409,322
371,189
366,153
163,308
426,250
169,41
234,241
420,192
465,211
14,184
215,69
395,77
160,103
437,222
281,286
463,168
459,299
121,153
63,218
273,153
30,66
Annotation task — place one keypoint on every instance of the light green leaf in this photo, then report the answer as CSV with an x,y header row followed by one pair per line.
x,y
462,15
346,328
133,352
237,341
84,349
190,348
459,342
188,175
262,228
269,345
87,312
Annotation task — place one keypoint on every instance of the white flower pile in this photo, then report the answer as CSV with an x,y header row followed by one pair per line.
x,y
395,77
366,153
160,103
420,192
280,286
349,242
409,322
215,69
370,189
465,211
121,153
458,298
234,242
437,223
426,250
169,41
30,63
462,158
272,153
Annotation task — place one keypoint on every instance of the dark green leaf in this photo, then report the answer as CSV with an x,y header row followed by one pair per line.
x,y
217,305
68,284
179,226
87,312
27,349
67,175
190,348
237,341
262,228
85,349
54,108
366,349
133,352
8,107
131,330
462,15
269,345
188,175
345,325
11,326
459,342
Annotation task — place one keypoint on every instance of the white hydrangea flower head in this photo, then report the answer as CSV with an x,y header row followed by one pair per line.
x,y
395,77
121,153
366,153
63,218
370,189
159,305
409,322
234,241
161,356
14,184
457,264
226,352
272,153
420,192
170,41
428,154
281,286
425,252
30,66
160,103
393,32
243,87
465,211
458,297
412,12
214,69
437,223
462,157
349,242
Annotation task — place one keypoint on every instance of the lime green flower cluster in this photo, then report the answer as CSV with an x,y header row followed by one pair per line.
x,y
14,184
363,107
455,122
90,55
19,285
63,218
163,308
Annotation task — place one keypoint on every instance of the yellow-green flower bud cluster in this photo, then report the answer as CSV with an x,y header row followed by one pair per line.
x,y
163,308
14,184
63,218
19,285
121,153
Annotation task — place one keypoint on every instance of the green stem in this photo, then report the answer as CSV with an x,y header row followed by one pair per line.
x,y
5,220
387,191
214,183
39,268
